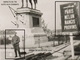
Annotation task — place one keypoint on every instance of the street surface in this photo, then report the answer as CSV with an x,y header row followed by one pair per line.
x,y
57,52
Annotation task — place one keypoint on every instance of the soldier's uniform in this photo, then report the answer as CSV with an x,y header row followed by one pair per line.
x,y
15,42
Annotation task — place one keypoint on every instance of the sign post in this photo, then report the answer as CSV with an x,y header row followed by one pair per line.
x,y
72,46
69,17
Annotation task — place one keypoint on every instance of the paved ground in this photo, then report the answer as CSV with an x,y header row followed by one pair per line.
x,y
10,52
59,53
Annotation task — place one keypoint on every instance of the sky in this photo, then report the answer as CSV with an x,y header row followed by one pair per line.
x,y
47,7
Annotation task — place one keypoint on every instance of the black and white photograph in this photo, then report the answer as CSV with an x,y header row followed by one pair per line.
x,y
39,30
14,42
67,28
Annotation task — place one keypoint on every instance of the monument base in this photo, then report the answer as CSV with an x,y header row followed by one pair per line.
x,y
33,38
30,20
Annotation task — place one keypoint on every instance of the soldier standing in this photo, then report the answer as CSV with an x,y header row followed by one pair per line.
x,y
15,43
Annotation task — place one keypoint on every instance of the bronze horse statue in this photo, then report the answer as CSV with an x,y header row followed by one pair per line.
x,y
30,1
35,2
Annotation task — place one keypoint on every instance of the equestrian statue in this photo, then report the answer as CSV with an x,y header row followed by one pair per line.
x,y
31,3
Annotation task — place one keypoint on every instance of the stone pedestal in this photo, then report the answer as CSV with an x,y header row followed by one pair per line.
x,y
30,20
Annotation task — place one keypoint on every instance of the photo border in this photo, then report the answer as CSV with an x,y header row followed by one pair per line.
x,y
24,42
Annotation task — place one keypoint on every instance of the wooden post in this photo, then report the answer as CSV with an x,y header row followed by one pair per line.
x,y
72,47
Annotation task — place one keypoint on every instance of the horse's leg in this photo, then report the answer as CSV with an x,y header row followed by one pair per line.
x,y
35,2
31,5
26,3
35,6
22,3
